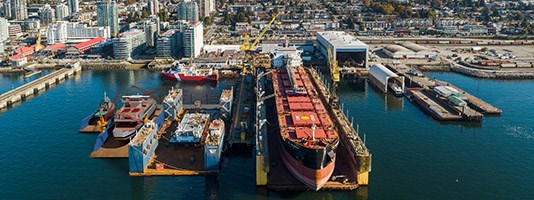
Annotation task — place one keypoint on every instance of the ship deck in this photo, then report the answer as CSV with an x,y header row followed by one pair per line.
x,y
91,129
178,159
116,148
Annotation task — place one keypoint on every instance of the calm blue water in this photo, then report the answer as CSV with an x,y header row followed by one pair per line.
x,y
414,157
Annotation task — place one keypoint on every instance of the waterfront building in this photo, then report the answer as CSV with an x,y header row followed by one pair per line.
x,y
129,44
151,33
169,44
107,15
193,39
346,49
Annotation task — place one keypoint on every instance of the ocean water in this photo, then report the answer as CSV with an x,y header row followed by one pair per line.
x,y
414,157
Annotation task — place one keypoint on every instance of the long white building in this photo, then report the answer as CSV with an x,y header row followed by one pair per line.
x,y
62,31
57,33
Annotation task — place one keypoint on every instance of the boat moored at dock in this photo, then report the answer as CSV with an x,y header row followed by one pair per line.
x,y
136,109
189,73
98,120
308,137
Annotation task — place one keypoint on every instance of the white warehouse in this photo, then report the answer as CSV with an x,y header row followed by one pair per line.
x,y
346,49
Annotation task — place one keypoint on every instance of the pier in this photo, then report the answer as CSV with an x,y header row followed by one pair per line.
x,y
33,88
421,91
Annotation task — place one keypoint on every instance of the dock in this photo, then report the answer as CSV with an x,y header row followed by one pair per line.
x,y
438,107
31,89
473,101
240,129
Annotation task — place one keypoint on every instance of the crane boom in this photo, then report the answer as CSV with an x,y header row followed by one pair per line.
x,y
247,47
334,68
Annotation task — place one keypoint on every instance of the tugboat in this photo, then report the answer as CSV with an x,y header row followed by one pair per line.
x,y
189,73
99,119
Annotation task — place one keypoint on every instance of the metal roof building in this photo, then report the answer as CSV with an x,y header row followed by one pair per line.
x,y
381,75
346,49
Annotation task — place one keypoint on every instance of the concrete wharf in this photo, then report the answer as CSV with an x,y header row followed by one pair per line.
x,y
33,88
473,101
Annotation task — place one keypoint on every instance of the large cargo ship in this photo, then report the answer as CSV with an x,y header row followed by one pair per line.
x,y
308,137
136,109
189,73
142,146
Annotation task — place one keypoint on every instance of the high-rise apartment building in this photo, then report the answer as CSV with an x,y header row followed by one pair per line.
x,y
107,15
188,11
193,39
74,6
62,11
129,44
19,10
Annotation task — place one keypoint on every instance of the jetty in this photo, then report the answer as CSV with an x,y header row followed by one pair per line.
x,y
33,88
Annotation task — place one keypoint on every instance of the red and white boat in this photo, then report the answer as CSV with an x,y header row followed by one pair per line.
x,y
189,73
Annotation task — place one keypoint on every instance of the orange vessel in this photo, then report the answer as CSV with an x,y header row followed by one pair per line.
x,y
308,137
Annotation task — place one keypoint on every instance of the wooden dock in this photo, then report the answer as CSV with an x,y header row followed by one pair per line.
x,y
33,88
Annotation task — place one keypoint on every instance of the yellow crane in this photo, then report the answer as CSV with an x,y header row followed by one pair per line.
x,y
334,73
38,45
334,68
246,46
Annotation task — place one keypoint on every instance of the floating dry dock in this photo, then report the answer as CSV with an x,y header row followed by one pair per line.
x,y
189,141
31,89
107,146
353,159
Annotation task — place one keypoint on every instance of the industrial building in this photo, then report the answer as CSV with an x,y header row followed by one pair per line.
x,y
346,49
382,77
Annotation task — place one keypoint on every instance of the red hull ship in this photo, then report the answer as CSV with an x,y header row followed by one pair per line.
x,y
183,73
308,137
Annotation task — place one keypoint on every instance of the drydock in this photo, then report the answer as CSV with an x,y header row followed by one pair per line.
x,y
189,142
353,159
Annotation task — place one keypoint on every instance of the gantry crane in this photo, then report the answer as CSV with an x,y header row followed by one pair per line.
x,y
334,74
246,46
